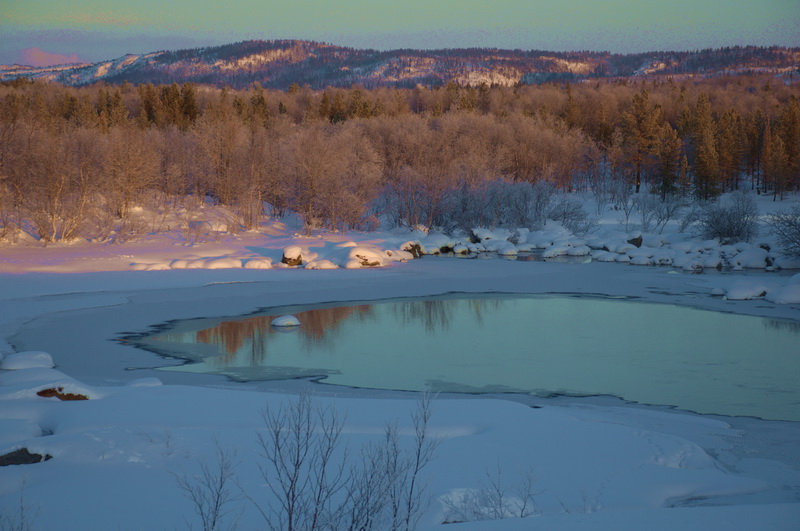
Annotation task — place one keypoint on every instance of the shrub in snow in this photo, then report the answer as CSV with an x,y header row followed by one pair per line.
x,y
657,212
494,499
496,203
27,360
734,218
570,213
785,226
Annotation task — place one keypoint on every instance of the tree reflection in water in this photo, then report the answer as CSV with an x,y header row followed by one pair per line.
x,y
253,333
437,314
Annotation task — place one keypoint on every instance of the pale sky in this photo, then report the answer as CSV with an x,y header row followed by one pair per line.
x,y
92,30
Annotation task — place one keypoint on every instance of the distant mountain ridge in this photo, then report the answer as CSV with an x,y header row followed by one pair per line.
x,y
279,63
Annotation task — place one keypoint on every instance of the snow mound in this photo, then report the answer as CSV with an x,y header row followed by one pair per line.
x,y
786,295
223,263
742,290
321,264
366,256
753,258
286,320
501,247
555,250
33,359
27,383
145,382
786,262
258,263
580,250
435,243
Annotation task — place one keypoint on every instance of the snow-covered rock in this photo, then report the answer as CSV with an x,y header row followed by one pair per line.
x,y
555,250
787,262
501,247
292,255
436,242
753,258
746,290
580,250
321,264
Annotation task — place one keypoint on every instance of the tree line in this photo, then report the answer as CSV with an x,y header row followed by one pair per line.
x,y
76,161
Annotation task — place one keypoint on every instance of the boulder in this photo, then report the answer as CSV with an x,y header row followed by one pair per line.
x,y
292,256
637,241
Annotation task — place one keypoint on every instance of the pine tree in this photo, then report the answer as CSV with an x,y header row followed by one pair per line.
x,y
640,126
258,106
790,133
706,156
325,106
572,113
668,161
730,147
774,162
189,107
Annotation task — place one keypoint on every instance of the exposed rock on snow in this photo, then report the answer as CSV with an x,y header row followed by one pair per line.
x,y
636,241
23,457
61,394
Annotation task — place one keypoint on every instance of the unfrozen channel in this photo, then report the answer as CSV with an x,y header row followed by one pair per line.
x,y
697,360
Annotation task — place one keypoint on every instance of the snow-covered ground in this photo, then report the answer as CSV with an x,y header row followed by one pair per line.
x,y
598,463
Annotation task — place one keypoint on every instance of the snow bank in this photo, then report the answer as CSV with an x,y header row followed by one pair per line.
x,y
586,459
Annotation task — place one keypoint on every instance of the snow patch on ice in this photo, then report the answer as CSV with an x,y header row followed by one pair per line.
x,y
27,360
286,320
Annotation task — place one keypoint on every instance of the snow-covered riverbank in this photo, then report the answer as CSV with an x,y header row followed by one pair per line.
x,y
597,464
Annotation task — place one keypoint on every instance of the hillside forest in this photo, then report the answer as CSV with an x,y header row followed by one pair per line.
x,y
77,162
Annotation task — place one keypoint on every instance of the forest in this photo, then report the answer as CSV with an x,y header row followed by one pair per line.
x,y
77,162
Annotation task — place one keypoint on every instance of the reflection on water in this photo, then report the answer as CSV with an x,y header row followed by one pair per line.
x,y
251,335
703,361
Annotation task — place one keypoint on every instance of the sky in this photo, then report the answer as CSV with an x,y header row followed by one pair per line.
x,y
41,32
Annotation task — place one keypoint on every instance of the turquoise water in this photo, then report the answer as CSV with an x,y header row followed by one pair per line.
x,y
703,361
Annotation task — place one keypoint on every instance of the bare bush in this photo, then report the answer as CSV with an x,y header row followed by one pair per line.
x,y
785,226
313,488
494,499
732,219
498,203
657,212
21,518
210,491
570,213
